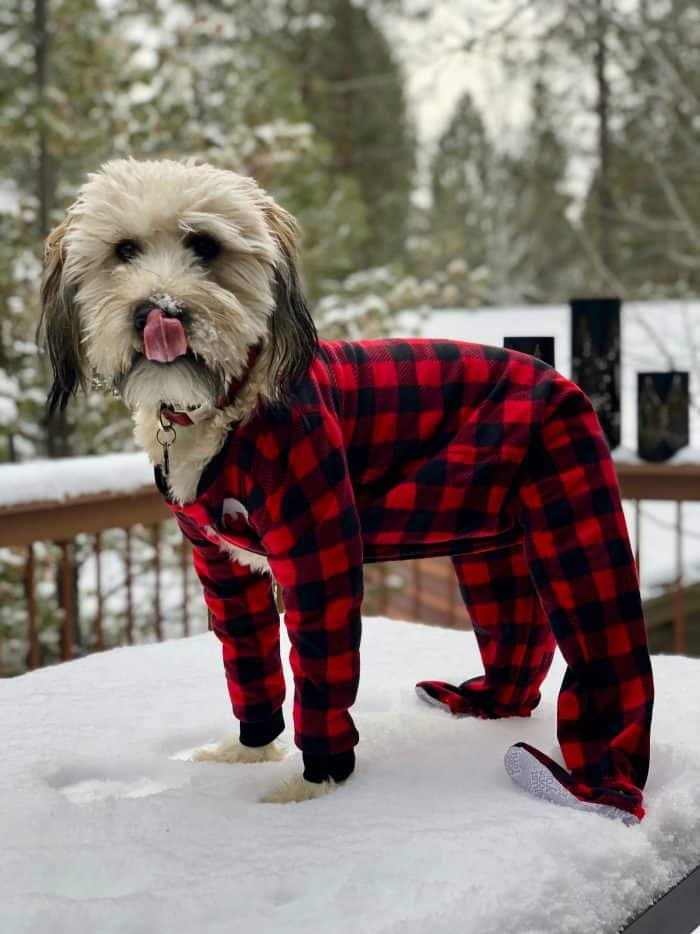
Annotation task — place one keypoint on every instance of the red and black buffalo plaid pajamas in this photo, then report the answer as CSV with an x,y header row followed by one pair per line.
x,y
403,449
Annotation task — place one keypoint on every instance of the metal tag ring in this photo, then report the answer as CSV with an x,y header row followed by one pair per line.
x,y
166,429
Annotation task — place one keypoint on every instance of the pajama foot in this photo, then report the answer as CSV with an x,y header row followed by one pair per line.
x,y
537,774
466,700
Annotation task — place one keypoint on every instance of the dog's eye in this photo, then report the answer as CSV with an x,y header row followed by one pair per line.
x,y
126,250
203,246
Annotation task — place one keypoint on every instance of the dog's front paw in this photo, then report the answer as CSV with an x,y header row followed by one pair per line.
x,y
232,750
298,788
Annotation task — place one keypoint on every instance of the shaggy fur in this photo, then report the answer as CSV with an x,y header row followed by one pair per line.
x,y
246,294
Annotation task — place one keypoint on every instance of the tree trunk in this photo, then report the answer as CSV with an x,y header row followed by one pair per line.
x,y
605,195
41,71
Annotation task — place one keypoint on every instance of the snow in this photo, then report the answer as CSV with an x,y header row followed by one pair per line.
x,y
9,196
67,478
8,410
105,826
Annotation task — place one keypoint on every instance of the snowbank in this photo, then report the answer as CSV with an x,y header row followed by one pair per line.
x,y
104,829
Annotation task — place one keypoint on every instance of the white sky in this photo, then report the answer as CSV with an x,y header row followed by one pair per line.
x,y
439,66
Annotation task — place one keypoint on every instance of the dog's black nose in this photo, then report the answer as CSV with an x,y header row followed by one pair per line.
x,y
141,315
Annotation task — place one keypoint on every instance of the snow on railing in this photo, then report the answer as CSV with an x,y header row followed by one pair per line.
x,y
42,481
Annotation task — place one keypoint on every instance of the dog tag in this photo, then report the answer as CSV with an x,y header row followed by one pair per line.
x,y
165,436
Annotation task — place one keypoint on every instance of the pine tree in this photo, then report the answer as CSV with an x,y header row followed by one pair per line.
x,y
654,224
353,92
541,247
462,178
57,81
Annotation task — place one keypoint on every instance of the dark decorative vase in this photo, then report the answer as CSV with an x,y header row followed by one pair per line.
x,y
540,347
595,358
662,414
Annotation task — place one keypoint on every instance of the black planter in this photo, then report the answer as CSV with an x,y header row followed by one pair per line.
x,y
662,414
595,358
540,347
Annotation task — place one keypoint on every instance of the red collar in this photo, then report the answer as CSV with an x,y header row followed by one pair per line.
x,y
182,418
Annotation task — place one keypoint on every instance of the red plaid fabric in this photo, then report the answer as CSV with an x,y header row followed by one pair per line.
x,y
401,449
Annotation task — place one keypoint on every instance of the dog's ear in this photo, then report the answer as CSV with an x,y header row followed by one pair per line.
x,y
293,334
59,323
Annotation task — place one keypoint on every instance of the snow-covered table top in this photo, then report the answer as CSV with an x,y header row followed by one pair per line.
x,y
103,828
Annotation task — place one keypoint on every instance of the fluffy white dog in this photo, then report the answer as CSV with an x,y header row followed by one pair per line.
x,y
281,453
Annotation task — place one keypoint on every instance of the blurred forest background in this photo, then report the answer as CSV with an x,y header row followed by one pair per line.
x,y
593,191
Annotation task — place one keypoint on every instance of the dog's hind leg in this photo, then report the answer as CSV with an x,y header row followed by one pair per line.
x,y
513,634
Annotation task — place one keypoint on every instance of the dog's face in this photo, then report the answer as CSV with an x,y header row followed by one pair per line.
x,y
161,278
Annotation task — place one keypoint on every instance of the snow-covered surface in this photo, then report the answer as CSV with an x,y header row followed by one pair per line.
x,y
70,477
103,827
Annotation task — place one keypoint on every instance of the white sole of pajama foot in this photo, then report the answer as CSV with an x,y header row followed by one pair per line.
x,y
532,776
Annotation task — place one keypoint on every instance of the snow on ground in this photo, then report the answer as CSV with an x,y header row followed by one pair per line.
x,y
103,828
66,478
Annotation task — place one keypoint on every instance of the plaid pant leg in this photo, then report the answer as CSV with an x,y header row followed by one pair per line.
x,y
511,628
244,617
578,551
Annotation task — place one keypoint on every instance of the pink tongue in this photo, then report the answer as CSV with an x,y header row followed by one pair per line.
x,y
163,337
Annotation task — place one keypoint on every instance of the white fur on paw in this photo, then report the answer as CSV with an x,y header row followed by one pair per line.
x,y
231,750
298,789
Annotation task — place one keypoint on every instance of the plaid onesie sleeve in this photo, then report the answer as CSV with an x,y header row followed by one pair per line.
x,y
302,505
244,617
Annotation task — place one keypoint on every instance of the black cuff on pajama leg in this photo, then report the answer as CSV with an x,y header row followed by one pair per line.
x,y
319,769
262,732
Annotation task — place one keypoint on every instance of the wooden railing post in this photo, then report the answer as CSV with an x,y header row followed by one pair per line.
x,y
99,632
184,568
129,590
155,538
33,633
417,583
67,600
679,608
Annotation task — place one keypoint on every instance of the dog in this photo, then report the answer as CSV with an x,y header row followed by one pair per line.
x,y
284,456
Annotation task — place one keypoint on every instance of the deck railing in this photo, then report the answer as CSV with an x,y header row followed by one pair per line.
x,y
138,522
425,591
